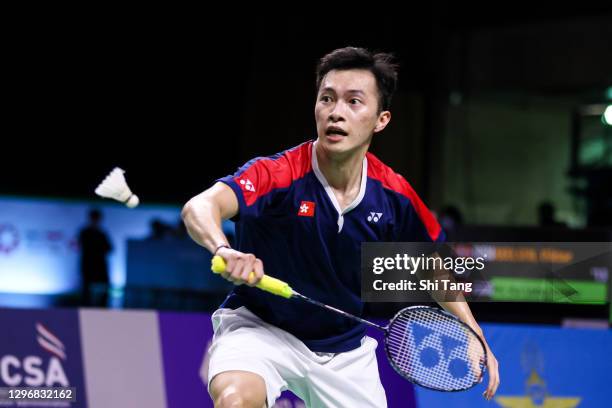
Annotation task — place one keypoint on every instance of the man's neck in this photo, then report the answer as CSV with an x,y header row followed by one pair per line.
x,y
342,173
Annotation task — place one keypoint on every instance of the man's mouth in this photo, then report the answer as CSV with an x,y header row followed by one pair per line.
x,y
335,131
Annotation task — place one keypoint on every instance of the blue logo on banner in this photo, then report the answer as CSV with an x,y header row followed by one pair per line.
x,y
42,349
536,393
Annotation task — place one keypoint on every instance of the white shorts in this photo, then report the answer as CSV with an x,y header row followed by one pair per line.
x,y
243,341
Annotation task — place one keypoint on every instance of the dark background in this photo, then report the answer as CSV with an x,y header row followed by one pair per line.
x,y
179,100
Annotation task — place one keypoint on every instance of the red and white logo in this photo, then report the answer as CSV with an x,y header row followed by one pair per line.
x,y
306,209
49,341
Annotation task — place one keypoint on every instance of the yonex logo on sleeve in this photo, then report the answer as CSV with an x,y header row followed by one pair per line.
x,y
248,186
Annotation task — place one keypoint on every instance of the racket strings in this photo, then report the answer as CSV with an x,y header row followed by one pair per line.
x,y
434,350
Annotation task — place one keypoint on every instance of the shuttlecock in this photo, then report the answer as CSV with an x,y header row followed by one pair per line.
x,y
114,186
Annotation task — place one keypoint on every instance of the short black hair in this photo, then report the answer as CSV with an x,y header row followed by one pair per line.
x,y
381,65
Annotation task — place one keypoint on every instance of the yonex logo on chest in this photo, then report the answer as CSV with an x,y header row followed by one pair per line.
x,y
374,217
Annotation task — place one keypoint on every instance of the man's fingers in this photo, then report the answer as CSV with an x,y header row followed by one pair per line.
x,y
236,271
492,387
249,262
241,268
230,263
493,379
257,273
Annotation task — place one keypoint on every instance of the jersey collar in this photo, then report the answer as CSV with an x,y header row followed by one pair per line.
x,y
330,193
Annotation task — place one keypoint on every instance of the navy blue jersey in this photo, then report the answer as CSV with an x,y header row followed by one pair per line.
x,y
290,219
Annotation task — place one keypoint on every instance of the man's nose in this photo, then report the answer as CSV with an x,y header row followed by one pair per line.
x,y
337,113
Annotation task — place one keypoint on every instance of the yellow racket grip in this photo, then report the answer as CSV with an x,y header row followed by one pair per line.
x,y
267,283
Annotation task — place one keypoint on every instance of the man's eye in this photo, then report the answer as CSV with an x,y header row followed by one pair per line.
x,y
326,98
354,101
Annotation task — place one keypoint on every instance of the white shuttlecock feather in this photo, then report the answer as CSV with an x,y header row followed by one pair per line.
x,y
115,187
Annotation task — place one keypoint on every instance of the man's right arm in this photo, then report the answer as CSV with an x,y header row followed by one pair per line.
x,y
203,215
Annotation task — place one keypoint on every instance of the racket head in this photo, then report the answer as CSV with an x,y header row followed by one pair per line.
x,y
434,349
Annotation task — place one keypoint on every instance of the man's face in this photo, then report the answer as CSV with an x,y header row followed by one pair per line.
x,y
346,111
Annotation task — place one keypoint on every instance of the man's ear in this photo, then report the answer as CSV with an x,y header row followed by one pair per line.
x,y
384,118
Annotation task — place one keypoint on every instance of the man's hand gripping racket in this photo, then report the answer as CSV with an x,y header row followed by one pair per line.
x,y
425,345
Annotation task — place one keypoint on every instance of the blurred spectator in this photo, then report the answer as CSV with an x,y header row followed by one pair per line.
x,y
95,246
159,230
450,218
546,215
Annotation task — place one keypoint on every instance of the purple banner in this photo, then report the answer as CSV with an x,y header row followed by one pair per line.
x,y
184,338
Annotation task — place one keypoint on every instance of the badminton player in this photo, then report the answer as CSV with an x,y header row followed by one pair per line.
x,y
301,216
